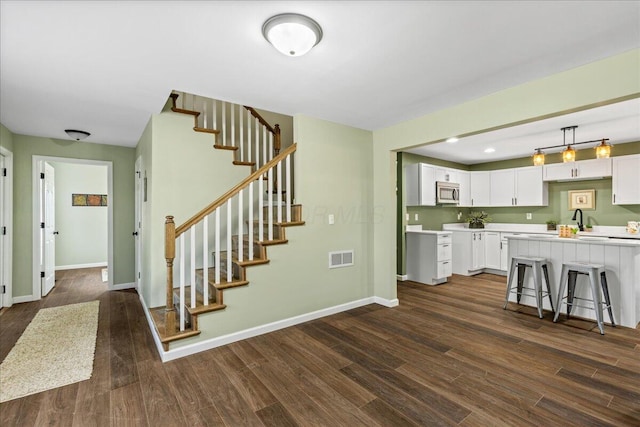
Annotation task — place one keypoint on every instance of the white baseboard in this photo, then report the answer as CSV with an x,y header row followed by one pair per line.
x,y
154,333
76,266
121,286
190,349
402,277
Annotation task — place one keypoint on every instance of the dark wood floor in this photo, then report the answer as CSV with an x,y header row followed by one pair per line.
x,y
448,355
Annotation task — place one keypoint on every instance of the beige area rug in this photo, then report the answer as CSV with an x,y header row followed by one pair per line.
x,y
56,349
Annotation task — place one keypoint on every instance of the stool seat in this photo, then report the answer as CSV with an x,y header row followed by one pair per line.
x,y
568,279
538,267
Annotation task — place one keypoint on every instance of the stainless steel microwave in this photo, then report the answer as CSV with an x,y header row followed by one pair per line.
x,y
447,192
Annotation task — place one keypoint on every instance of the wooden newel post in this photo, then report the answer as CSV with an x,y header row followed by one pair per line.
x,y
276,140
170,254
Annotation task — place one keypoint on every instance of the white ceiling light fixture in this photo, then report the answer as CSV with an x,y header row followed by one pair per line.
x,y
291,33
489,150
452,140
77,134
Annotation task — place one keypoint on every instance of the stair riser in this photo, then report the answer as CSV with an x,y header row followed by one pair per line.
x,y
296,213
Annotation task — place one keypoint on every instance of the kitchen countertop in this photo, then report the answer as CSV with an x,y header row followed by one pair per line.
x,y
418,229
582,239
532,229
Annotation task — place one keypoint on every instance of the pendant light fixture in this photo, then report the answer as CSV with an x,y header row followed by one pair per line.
x,y
292,34
603,150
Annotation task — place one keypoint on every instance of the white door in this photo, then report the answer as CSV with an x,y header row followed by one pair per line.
x,y
2,231
137,232
49,250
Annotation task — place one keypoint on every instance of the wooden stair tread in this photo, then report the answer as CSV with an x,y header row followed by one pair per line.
x,y
157,315
291,223
190,112
225,147
266,242
200,307
223,280
239,163
205,130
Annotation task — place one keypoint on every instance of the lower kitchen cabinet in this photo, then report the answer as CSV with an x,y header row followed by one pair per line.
x,y
468,252
492,246
429,256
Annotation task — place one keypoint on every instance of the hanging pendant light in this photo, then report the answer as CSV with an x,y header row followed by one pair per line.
x,y
538,158
569,154
603,151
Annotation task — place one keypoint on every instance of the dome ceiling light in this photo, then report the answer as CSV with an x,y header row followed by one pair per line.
x,y
292,34
77,134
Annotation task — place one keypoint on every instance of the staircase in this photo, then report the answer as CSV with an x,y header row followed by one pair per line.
x,y
210,253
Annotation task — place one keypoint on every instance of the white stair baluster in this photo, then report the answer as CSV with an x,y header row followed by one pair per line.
x,y
181,302
229,232
214,115
257,158
250,227
224,122
233,125
261,209
205,260
265,159
279,192
270,204
183,95
240,230
216,255
192,270
249,136
270,146
204,111
241,131
287,187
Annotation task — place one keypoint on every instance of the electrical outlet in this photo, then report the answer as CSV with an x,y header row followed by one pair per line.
x,y
415,217
332,219
459,215
528,215
407,217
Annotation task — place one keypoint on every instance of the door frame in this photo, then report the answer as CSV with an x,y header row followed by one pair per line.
x,y
37,168
7,241
139,195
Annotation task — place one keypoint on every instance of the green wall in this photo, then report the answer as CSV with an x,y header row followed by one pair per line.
x,y
6,138
25,147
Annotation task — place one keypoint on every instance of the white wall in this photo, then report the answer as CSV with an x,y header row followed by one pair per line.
x,y
83,229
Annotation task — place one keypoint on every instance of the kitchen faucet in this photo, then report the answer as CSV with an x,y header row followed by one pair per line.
x,y
580,224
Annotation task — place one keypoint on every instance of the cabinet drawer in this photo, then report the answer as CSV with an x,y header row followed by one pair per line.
x,y
444,252
444,269
444,238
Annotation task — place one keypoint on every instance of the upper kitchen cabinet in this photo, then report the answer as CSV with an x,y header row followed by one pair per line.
x,y
480,186
519,187
465,188
626,180
420,184
583,169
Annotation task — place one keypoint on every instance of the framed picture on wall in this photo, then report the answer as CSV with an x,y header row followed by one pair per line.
x,y
582,199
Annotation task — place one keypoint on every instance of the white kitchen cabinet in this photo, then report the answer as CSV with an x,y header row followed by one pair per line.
x,y
504,252
519,187
626,180
574,171
468,252
465,188
420,185
493,253
480,186
429,256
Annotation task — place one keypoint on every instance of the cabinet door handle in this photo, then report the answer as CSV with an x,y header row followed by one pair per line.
x,y
515,199
446,262
571,173
445,246
500,245
576,172
474,236
614,198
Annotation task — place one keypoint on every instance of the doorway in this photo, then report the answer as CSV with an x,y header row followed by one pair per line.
x,y
6,226
74,211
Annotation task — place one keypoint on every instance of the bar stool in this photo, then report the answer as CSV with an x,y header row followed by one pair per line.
x,y
538,267
570,271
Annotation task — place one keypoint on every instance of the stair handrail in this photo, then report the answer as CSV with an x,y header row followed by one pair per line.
x,y
275,130
235,190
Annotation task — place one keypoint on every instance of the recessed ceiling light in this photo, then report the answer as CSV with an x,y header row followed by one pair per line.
x,y
489,150
452,140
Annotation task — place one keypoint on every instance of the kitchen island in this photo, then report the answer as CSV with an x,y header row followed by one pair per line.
x,y
621,258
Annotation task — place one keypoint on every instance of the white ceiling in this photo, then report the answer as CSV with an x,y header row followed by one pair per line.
x,y
619,122
105,67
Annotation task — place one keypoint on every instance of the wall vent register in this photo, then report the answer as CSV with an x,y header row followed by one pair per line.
x,y
340,259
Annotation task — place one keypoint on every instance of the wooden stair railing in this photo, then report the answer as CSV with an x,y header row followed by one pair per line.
x,y
264,218
241,128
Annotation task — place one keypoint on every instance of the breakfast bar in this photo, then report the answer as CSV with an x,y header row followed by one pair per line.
x,y
621,260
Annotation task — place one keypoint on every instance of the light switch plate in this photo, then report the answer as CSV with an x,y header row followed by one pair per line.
x,y
528,216
415,217
332,219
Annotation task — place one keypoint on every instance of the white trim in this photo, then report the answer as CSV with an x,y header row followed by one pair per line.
x,y
36,168
190,349
154,332
24,298
8,300
75,266
121,286
402,277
